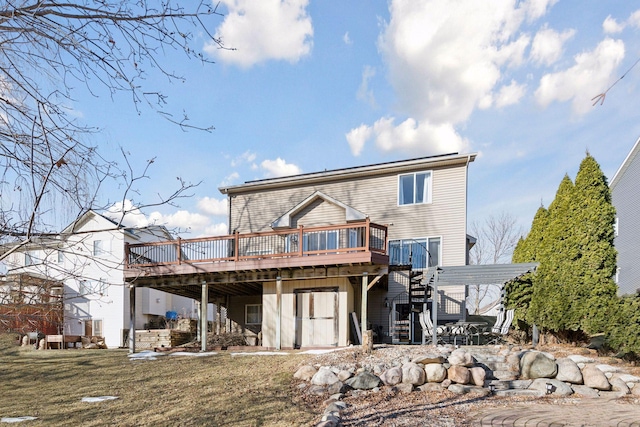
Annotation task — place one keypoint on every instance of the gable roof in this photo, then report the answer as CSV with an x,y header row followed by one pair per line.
x,y
352,173
635,151
285,220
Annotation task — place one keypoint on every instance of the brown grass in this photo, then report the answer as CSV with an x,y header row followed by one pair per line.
x,y
217,390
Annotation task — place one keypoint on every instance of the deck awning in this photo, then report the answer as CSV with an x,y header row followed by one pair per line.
x,y
470,275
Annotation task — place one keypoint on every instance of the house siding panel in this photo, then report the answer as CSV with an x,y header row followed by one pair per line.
x,y
375,196
626,199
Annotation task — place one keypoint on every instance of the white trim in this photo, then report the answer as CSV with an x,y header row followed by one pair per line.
x,y
625,164
351,214
428,188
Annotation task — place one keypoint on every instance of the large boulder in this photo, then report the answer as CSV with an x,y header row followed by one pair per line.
x,y
363,381
595,378
324,376
461,357
478,375
429,358
436,372
414,374
535,364
551,386
459,374
568,371
305,372
392,376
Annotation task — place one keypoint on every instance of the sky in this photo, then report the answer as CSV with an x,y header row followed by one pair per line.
x,y
315,85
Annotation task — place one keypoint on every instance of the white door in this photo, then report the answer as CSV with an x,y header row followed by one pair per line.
x,y
317,318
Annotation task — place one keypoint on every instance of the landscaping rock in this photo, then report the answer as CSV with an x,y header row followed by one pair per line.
x,y
535,364
617,384
413,374
363,381
578,359
317,390
435,372
344,375
461,357
478,375
458,388
595,378
404,388
585,391
324,376
305,373
568,371
559,388
429,358
392,376
431,387
337,388
459,374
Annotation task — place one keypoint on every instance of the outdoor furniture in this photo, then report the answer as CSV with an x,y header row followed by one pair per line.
x,y
465,331
427,328
503,330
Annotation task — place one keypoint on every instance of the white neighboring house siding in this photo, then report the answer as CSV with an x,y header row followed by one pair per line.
x,y
107,308
625,196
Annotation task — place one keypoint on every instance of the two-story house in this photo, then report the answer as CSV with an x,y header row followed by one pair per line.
x,y
86,260
312,254
625,196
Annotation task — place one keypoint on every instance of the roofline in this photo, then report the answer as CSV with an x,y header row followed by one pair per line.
x,y
625,164
356,171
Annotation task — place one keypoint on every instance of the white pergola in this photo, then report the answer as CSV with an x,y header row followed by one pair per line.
x,y
470,275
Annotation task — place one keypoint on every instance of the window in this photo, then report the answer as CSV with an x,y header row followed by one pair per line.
x,y
414,188
32,258
253,314
615,228
419,253
101,247
320,240
94,287
60,256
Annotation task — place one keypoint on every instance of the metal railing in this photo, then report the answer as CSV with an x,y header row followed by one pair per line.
x,y
328,240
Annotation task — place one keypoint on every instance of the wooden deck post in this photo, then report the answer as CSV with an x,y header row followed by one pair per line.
x,y
363,309
434,308
278,313
204,321
132,318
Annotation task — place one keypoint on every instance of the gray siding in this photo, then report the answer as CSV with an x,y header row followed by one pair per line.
x,y
626,199
375,196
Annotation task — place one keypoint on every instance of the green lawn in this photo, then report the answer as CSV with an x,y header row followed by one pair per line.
x,y
173,391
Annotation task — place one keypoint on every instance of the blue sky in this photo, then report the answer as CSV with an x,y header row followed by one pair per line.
x,y
316,85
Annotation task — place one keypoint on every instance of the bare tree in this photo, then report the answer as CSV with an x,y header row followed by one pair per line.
x,y
496,238
46,50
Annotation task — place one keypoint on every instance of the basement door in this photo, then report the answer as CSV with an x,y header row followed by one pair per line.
x,y
316,317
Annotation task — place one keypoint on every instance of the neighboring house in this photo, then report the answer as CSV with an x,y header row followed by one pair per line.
x,y
625,196
306,248
86,258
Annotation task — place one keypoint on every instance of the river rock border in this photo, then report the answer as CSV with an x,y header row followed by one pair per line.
x,y
481,371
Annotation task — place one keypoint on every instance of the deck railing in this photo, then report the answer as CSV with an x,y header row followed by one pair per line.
x,y
329,240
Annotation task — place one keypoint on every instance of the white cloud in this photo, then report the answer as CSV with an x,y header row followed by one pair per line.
x,y
346,39
130,215
536,9
548,44
510,94
278,167
263,30
634,19
219,229
364,93
246,157
611,26
412,137
212,206
591,74
182,219
358,137
230,179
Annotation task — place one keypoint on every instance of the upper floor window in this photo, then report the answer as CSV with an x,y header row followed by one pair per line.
x,y
59,256
615,228
414,188
31,258
419,253
94,287
101,247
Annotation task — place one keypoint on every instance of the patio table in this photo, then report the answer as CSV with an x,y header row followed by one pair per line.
x,y
466,330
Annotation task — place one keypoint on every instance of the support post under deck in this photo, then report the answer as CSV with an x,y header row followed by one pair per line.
x,y
204,318
132,318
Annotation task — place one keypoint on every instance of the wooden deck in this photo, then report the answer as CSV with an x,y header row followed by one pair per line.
x,y
250,258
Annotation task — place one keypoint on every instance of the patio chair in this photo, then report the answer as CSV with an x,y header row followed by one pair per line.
x,y
427,328
503,330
